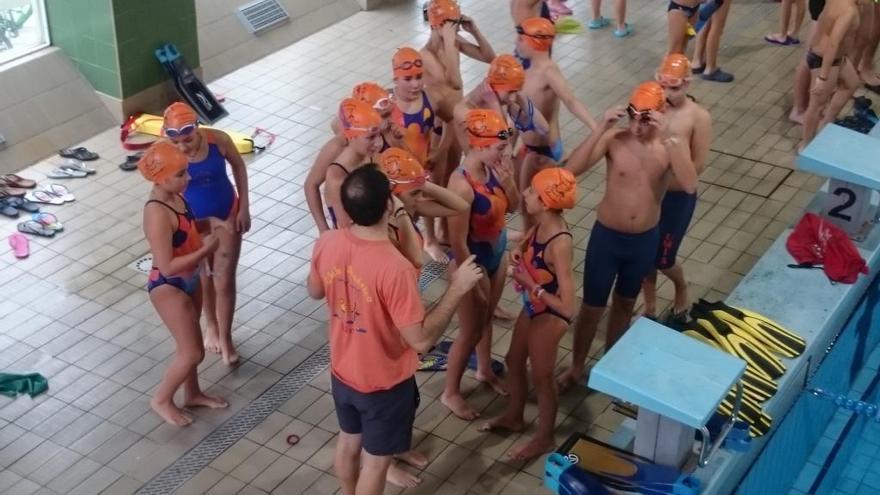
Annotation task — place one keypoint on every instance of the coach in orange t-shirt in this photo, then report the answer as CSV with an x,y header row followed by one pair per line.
x,y
377,326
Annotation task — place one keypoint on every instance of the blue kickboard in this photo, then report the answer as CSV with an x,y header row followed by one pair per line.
x,y
666,372
841,153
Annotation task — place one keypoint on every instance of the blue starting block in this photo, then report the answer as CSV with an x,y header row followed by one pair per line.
x,y
848,159
676,381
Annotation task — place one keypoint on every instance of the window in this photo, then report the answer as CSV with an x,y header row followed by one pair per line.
x,y
22,28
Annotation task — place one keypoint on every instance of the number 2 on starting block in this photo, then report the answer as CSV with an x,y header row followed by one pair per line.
x,y
848,206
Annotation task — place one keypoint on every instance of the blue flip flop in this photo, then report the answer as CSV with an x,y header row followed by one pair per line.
x,y
598,23
623,33
718,76
444,347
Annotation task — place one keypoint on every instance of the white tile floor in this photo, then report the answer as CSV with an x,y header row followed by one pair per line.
x,y
75,312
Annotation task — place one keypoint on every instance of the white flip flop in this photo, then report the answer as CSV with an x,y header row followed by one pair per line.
x,y
79,166
66,173
59,191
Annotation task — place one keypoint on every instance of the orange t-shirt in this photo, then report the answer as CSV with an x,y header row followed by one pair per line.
x,y
372,292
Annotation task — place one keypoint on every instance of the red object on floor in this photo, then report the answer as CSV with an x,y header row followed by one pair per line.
x,y
815,241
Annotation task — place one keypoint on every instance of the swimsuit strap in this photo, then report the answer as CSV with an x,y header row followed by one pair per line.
x,y
340,166
186,212
554,236
530,114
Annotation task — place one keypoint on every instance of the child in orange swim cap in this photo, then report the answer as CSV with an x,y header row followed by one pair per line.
x,y
542,272
537,34
442,11
178,251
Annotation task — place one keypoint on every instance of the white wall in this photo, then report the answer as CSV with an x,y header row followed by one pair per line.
x,y
225,45
45,105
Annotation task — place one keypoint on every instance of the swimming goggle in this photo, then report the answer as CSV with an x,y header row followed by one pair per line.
x,y
671,83
384,104
181,131
458,21
641,116
503,135
415,181
522,31
365,130
409,65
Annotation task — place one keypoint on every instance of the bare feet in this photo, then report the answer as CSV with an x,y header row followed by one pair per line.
x,y
436,252
568,378
531,449
459,407
492,380
503,422
205,400
398,476
212,341
796,116
171,414
502,313
230,356
413,458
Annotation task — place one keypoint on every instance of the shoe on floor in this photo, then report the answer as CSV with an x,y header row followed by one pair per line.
x,y
20,245
598,23
718,76
623,33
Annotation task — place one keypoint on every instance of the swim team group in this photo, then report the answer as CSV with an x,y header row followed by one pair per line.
x,y
460,162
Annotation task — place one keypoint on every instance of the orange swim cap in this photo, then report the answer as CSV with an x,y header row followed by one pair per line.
x,y
440,11
648,96
486,127
178,115
407,62
358,118
557,187
161,162
372,94
538,33
676,68
506,74
402,169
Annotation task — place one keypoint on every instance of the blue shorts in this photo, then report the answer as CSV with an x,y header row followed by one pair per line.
x,y
675,216
384,419
553,152
616,256
487,255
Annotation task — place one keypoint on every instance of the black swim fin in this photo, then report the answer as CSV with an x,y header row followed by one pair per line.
x,y
773,336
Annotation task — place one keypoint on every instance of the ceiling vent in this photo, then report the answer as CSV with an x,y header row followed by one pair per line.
x,y
262,15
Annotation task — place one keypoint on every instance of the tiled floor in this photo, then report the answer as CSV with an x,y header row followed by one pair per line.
x,y
75,312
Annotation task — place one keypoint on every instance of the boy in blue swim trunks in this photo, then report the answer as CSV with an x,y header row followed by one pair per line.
x,y
693,125
545,86
623,244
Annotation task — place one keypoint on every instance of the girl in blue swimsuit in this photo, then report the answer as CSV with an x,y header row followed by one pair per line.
x,y
485,181
543,275
214,202
178,250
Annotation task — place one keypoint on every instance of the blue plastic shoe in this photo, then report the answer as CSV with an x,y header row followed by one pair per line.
x,y
718,76
623,33
598,23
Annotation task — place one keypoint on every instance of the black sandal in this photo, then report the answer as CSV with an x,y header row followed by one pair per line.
x,y
79,154
21,204
7,210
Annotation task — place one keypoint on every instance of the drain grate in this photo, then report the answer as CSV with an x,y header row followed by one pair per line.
x,y
430,272
745,175
142,264
238,426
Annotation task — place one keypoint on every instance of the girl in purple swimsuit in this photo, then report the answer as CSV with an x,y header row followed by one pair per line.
x,y
178,251
215,202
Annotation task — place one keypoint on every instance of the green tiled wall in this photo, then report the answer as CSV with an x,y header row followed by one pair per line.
x,y
84,29
112,41
141,27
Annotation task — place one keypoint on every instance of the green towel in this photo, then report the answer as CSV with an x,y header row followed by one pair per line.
x,y
568,25
33,384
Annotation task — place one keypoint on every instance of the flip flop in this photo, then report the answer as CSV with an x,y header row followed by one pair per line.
x,y
718,76
17,181
77,165
48,220
19,245
8,210
43,197
598,23
131,162
21,204
60,191
623,33
11,191
792,40
698,70
432,362
80,153
35,228
66,173
774,41
443,347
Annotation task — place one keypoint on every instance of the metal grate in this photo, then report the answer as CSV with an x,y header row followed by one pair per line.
x,y
261,15
142,264
237,427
